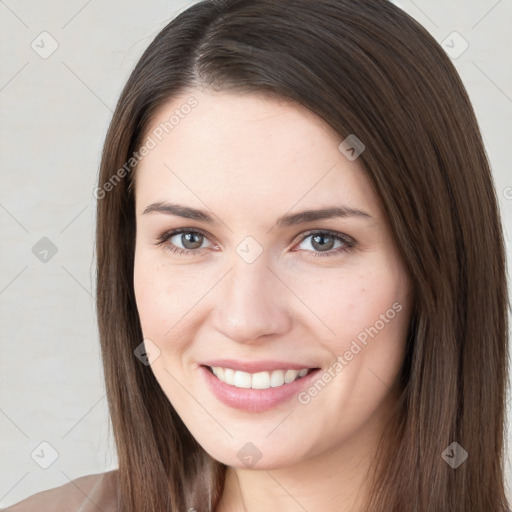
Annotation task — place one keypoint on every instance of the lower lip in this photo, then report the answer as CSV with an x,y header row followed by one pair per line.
x,y
255,400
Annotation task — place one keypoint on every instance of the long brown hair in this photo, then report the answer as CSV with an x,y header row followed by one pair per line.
x,y
369,69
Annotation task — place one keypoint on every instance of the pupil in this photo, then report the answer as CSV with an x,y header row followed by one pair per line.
x,y
194,239
317,239
191,238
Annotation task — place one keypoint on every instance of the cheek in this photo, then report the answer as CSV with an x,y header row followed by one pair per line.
x,y
168,301
369,314
344,303
156,307
365,317
338,306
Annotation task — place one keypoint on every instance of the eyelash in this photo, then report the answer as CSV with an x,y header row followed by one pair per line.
x,y
349,243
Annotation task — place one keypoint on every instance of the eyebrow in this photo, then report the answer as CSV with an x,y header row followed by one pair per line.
x,y
284,221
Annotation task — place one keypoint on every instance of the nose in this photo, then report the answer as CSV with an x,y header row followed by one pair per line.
x,y
252,303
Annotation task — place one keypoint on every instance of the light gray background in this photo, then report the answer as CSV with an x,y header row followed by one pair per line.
x,y
55,112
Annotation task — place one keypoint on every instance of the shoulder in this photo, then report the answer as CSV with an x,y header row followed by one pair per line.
x,y
84,494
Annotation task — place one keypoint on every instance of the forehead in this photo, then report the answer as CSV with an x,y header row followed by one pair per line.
x,y
241,122
245,150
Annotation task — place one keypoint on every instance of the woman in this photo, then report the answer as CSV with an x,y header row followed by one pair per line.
x,y
302,297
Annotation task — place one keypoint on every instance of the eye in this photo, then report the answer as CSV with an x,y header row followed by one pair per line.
x,y
190,240
323,243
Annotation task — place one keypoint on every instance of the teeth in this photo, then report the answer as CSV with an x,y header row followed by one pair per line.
x,y
290,376
242,380
229,376
277,378
260,380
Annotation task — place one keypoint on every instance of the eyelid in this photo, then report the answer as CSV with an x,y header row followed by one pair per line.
x,y
347,240
164,237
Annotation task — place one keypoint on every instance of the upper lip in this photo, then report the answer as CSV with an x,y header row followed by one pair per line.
x,y
257,366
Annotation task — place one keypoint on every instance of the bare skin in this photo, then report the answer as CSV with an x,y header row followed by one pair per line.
x,y
248,160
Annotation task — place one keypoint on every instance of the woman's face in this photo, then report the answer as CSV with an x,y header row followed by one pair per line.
x,y
261,289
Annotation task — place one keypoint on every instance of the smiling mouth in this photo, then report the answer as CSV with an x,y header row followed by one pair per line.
x,y
259,380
